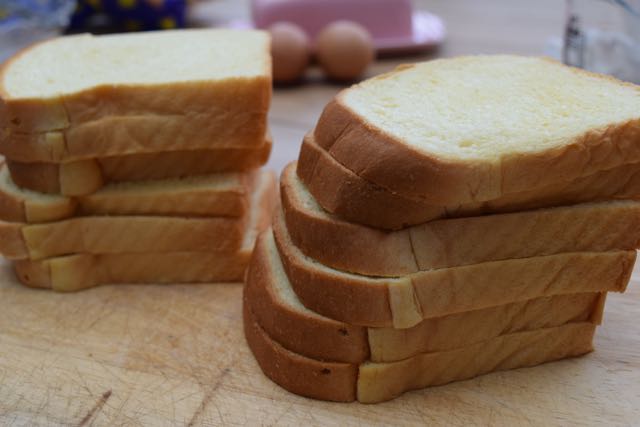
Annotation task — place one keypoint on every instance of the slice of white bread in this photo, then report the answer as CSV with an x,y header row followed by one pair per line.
x,y
82,271
81,177
223,76
344,193
116,136
377,382
476,128
206,195
281,314
137,234
347,246
402,302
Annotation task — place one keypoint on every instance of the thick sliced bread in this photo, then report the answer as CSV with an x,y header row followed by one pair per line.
x,y
76,272
344,193
472,129
82,271
207,195
117,136
403,302
377,382
281,314
223,78
131,166
137,234
347,246
83,177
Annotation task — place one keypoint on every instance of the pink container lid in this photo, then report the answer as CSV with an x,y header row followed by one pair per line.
x,y
383,18
393,24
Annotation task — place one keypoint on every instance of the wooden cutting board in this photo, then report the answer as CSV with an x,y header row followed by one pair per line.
x,y
175,355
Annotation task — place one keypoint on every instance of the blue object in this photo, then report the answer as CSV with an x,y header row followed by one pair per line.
x,y
130,15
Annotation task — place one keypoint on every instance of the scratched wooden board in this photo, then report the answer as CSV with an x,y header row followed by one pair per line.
x,y
175,355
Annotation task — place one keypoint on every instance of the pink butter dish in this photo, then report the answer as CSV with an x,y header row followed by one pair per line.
x,y
393,24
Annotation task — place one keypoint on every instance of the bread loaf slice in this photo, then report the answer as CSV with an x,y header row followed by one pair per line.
x,y
223,79
477,128
402,302
207,195
344,193
377,382
137,234
284,318
82,271
347,246
81,177
117,136
127,167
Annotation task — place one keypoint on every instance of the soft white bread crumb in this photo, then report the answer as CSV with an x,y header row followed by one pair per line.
x,y
222,76
67,65
485,107
473,129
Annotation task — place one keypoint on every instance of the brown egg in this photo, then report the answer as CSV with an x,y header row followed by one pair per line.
x,y
344,49
289,50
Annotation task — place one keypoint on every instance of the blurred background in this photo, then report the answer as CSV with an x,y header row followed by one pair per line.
x,y
322,46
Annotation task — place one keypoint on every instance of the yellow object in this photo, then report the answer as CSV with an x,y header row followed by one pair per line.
x,y
132,25
127,4
96,4
167,23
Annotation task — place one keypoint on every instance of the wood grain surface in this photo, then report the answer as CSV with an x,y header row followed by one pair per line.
x,y
175,355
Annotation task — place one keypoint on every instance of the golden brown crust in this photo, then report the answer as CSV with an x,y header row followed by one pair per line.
x,y
12,209
285,320
33,118
299,331
82,177
301,375
405,301
69,179
405,170
341,244
229,201
444,243
454,331
378,382
137,234
82,271
33,274
12,245
183,163
116,136
40,177
125,234
357,300
344,193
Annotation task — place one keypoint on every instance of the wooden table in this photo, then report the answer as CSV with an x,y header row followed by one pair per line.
x,y
175,355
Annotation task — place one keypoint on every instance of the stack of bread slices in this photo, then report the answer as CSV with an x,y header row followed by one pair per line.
x,y
446,220
135,158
